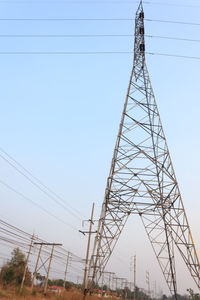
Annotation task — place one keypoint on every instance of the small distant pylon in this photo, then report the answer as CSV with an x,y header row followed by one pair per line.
x,y
142,180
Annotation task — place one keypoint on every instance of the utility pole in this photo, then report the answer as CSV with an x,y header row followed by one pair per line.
x,y
155,290
109,278
134,276
122,281
113,281
148,285
67,263
36,267
116,281
85,279
102,280
47,278
50,261
26,265
125,290
130,285
133,268
43,264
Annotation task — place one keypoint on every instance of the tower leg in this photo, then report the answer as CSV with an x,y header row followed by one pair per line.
x,y
161,239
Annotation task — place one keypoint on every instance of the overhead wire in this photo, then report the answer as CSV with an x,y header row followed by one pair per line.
x,y
59,258
88,36
25,245
172,38
64,19
15,228
174,55
94,20
172,22
70,208
63,35
48,194
36,204
96,53
97,2
5,224
10,233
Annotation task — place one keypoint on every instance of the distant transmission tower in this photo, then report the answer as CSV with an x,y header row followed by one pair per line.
x,y
142,180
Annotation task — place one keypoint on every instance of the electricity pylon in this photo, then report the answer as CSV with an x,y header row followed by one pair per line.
x,y
142,180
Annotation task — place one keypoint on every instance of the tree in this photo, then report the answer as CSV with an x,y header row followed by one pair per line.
x,y
192,295
12,272
58,282
105,287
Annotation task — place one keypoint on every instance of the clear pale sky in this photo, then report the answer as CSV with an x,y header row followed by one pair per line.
x,y
60,115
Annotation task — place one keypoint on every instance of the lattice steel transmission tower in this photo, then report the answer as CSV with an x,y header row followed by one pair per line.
x,y
142,180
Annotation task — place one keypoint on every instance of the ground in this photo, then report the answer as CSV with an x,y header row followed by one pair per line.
x,y
10,294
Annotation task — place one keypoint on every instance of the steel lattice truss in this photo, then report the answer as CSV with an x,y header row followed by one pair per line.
x,y
142,180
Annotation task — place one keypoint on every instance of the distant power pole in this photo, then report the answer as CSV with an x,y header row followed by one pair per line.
x,y
36,267
155,290
85,278
116,281
109,278
102,279
47,278
148,285
122,282
134,277
43,264
26,265
133,268
113,274
67,263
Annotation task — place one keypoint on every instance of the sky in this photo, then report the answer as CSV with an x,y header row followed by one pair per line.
x,y
60,115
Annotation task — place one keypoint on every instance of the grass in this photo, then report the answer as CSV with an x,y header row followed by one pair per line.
x,y
11,294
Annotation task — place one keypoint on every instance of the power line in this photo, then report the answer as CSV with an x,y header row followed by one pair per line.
x,y
39,181
95,53
172,4
174,55
63,35
62,52
97,2
92,20
54,198
36,204
71,1
14,231
15,228
91,36
65,19
172,22
59,257
172,38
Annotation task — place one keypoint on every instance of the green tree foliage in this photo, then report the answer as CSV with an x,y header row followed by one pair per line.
x,y
105,287
12,272
57,282
192,295
179,297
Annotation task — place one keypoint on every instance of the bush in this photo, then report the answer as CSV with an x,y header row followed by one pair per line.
x,y
34,292
12,272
